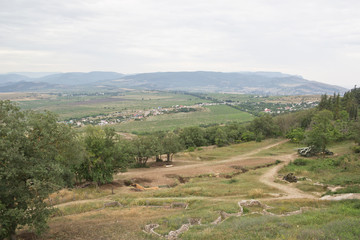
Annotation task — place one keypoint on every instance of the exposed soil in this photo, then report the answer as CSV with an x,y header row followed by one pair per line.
x,y
290,191
159,175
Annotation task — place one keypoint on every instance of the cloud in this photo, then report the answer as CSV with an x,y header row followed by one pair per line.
x,y
305,37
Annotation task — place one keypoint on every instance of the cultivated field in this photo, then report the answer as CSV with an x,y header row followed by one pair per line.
x,y
209,115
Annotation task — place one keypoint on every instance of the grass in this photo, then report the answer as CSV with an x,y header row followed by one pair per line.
x,y
326,220
211,115
286,148
221,153
342,170
82,105
78,208
209,186
69,195
336,220
208,195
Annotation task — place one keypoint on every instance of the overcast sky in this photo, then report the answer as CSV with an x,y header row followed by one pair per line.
x,y
318,39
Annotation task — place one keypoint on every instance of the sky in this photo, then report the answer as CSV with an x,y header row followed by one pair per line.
x,y
317,39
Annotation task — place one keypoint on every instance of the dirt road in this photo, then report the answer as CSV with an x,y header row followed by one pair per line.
x,y
158,175
290,191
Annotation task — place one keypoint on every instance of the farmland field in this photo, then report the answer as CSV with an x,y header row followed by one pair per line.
x,y
81,105
89,104
210,115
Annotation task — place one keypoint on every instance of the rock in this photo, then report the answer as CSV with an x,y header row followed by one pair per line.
x,y
195,221
174,234
112,204
179,205
290,177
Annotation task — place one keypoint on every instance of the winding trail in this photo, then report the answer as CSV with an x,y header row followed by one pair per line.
x,y
158,175
291,192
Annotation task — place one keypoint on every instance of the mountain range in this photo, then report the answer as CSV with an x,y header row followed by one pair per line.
x,y
264,83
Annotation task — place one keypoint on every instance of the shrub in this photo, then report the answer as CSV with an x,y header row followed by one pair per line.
x,y
300,162
191,149
356,149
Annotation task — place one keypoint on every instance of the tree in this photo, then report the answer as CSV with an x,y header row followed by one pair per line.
x,y
143,147
264,126
355,130
193,137
34,153
171,144
99,163
221,138
296,135
322,130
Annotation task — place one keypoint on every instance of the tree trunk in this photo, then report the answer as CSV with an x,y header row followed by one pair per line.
x,y
168,157
158,158
13,236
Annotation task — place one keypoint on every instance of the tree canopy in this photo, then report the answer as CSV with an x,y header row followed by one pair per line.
x,y
35,155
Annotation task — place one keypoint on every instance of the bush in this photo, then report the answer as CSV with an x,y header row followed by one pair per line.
x,y
300,162
191,149
356,149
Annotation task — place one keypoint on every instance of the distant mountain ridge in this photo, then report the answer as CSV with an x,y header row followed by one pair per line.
x,y
264,83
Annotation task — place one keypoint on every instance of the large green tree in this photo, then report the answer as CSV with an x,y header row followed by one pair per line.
x,y
321,131
264,126
36,154
144,147
193,137
171,144
101,153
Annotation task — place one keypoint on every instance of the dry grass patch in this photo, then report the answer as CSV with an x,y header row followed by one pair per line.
x,y
256,193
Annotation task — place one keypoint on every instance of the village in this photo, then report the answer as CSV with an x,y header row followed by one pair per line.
x,y
254,108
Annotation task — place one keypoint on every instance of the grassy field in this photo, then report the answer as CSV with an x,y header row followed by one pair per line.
x,y
214,153
75,106
340,170
207,196
87,105
212,114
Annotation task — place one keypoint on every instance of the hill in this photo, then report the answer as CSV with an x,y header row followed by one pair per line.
x,y
260,83
267,83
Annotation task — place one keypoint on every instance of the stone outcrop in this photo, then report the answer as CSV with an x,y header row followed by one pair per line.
x,y
290,177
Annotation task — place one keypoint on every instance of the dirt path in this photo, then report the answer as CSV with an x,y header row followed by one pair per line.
x,y
158,175
269,177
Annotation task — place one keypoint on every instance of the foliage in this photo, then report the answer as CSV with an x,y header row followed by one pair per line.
x,y
349,102
193,137
35,156
171,144
322,130
296,135
103,156
221,138
355,132
343,170
264,126
144,147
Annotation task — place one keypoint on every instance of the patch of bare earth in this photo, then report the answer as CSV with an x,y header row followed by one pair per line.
x,y
159,174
